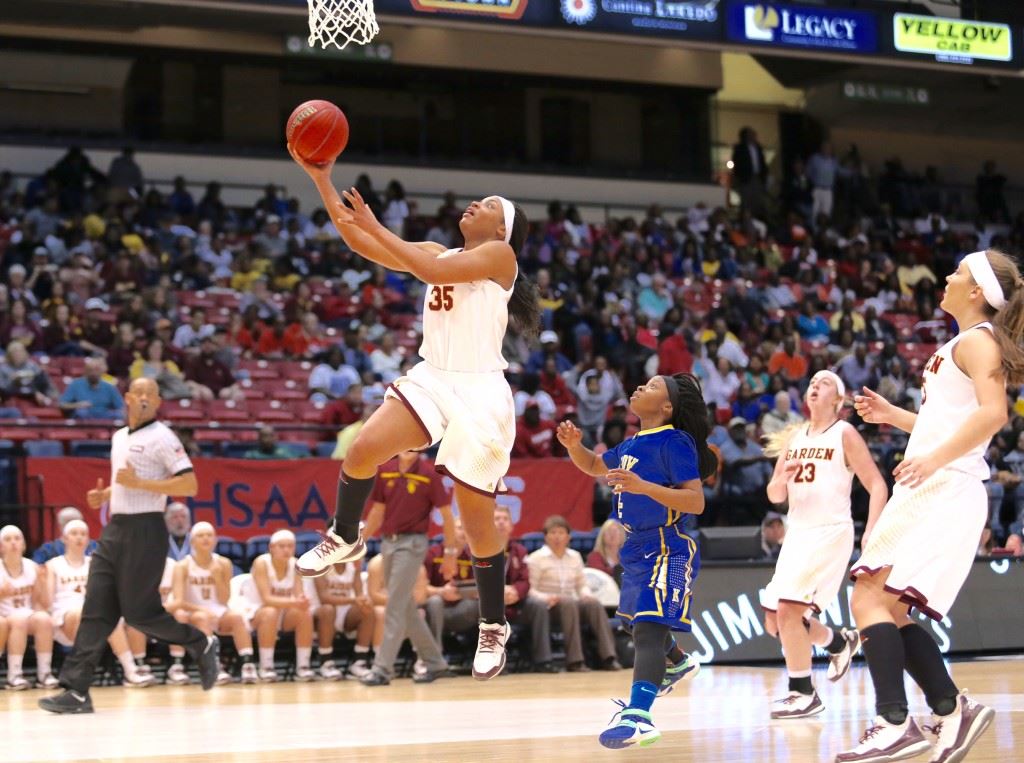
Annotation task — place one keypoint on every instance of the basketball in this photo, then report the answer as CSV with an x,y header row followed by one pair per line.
x,y
318,131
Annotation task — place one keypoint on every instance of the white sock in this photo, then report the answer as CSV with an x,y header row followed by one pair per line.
x,y
361,649
302,655
325,651
178,652
139,658
799,673
825,640
128,665
266,658
14,665
245,652
43,661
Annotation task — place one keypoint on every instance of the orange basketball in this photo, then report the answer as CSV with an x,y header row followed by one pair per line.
x,y
318,131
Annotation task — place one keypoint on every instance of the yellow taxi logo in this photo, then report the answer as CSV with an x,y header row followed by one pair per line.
x,y
938,36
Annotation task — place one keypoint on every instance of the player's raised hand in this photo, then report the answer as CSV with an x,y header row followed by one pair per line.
x,y
569,435
361,215
872,407
315,171
96,496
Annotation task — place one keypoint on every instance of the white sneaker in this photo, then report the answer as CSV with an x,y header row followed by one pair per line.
x,y
223,677
490,650
18,683
304,675
49,681
884,741
144,670
358,668
268,676
177,675
839,664
139,680
331,550
249,673
797,705
419,667
329,671
954,734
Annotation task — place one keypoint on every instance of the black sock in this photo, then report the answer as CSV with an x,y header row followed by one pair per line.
x,y
802,685
883,649
674,654
649,648
178,660
837,644
352,495
924,663
246,658
490,586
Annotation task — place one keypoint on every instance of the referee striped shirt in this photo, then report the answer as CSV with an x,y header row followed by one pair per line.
x,y
155,453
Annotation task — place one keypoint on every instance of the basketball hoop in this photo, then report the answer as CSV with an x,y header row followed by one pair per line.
x,y
339,22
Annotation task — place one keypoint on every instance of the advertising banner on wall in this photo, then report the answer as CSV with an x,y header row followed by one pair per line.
x,y
243,498
957,41
783,25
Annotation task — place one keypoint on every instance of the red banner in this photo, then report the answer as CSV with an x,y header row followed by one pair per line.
x,y
242,497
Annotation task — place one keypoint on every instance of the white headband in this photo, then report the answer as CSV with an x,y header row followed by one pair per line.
x,y
74,524
840,387
282,535
510,216
199,526
985,277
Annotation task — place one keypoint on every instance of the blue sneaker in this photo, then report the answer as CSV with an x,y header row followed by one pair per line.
x,y
629,726
684,671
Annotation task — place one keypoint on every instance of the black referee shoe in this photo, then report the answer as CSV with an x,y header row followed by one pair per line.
x,y
68,703
208,662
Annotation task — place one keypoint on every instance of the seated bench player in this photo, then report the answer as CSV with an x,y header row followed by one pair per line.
x,y
344,608
23,611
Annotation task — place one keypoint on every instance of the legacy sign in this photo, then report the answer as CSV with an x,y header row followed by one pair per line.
x,y
952,40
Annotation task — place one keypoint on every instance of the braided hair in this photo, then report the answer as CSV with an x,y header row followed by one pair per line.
x,y
689,414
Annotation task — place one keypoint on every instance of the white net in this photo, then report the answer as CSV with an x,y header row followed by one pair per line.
x,y
339,22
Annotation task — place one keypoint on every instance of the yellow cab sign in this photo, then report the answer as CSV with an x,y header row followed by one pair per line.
x,y
952,39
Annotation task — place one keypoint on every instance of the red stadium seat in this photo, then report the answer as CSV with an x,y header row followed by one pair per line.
x,y
37,412
272,411
228,410
19,434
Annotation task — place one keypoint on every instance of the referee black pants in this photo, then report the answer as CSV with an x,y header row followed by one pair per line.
x,y
124,581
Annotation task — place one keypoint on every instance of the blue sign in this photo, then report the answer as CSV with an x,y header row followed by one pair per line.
x,y
795,26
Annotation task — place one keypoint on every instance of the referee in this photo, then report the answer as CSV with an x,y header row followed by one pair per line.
x,y
147,463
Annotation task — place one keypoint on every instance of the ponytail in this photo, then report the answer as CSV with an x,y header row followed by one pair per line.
x,y
1009,321
689,414
524,304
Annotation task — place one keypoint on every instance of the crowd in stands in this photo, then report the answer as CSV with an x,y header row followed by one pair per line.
x,y
262,315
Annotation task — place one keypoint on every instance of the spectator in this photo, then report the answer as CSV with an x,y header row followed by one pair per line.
x,y
746,471
796,194
181,201
912,274
605,554
190,334
19,326
756,376
348,410
1014,478
396,208
773,533
125,175
271,238
267,446
207,371
729,346
355,356
62,334
386,359
781,415
558,582
656,299
750,172
534,435
22,379
788,361
592,401
89,397
747,404
331,379
178,519
721,383
406,490
55,547
530,392
452,605
822,169
167,375
812,326
272,341
549,347
856,369
348,435
674,354
23,601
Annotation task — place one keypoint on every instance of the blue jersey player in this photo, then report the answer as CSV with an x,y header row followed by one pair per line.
x,y
656,477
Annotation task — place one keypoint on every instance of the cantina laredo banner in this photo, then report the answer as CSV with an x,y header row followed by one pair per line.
x,y
243,498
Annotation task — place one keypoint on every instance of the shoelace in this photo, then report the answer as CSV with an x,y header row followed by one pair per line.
x,y
935,729
618,713
326,545
489,639
871,731
788,700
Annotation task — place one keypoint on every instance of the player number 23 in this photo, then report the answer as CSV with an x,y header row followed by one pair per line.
x,y
441,298
805,473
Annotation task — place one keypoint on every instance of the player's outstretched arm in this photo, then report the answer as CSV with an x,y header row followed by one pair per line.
x,y
583,458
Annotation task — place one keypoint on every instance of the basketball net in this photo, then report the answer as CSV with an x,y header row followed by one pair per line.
x,y
339,22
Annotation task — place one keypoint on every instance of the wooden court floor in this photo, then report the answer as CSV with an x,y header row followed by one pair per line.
x,y
721,716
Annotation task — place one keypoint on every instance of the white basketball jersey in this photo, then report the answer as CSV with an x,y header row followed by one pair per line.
x,y
819,492
464,325
343,584
284,586
20,601
69,583
947,399
200,588
167,580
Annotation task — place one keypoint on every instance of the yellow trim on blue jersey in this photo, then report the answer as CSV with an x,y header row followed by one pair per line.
x,y
652,431
659,576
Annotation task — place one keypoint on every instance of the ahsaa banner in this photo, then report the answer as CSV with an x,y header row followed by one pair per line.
x,y
243,498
